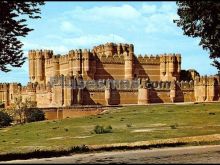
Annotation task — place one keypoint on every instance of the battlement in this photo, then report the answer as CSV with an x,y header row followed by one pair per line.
x,y
64,59
31,87
4,86
171,57
157,59
43,88
206,80
115,59
34,54
147,59
110,49
15,87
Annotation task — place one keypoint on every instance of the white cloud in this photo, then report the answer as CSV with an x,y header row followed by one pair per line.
x,y
161,22
92,40
35,45
57,49
67,26
149,9
167,7
104,13
62,44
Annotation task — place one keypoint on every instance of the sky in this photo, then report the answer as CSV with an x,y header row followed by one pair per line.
x,y
148,25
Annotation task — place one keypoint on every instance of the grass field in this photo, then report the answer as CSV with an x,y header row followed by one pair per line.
x,y
130,124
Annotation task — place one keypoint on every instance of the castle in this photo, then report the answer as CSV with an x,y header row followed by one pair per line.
x,y
55,79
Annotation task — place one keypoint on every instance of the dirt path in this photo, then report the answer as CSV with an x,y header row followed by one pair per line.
x,y
192,154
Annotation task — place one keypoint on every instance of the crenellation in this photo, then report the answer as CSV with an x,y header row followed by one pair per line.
x,y
147,60
4,86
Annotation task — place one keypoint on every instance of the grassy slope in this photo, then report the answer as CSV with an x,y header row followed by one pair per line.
x,y
191,120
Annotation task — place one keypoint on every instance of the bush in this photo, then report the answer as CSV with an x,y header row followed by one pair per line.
x,y
34,114
100,129
5,119
211,113
81,148
129,125
174,126
2,105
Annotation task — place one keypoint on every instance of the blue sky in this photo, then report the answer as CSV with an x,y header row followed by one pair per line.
x,y
148,25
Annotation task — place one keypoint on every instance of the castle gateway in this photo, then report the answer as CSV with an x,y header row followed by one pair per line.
x,y
109,74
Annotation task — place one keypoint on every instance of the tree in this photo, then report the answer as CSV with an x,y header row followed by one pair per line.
x,y
12,26
5,119
19,110
34,114
202,19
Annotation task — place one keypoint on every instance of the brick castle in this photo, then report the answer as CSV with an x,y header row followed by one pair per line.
x,y
140,79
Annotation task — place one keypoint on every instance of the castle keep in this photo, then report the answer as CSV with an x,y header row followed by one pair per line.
x,y
112,75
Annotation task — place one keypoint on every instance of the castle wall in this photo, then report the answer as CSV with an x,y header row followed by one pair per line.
x,y
4,93
151,71
109,71
64,69
95,97
206,88
160,96
117,97
45,99
124,97
185,96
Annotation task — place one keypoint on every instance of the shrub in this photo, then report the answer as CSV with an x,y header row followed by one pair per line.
x,y
34,114
211,113
81,148
174,126
129,125
100,129
108,129
5,119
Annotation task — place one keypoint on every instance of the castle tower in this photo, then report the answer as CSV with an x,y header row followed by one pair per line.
x,y
119,49
86,63
32,61
163,67
170,67
108,93
13,90
143,94
4,93
58,92
78,61
71,57
39,67
56,66
128,57
211,88
68,91
178,63
47,54
109,49
200,89
31,91
173,91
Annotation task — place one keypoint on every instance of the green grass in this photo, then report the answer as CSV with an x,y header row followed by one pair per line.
x,y
129,124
